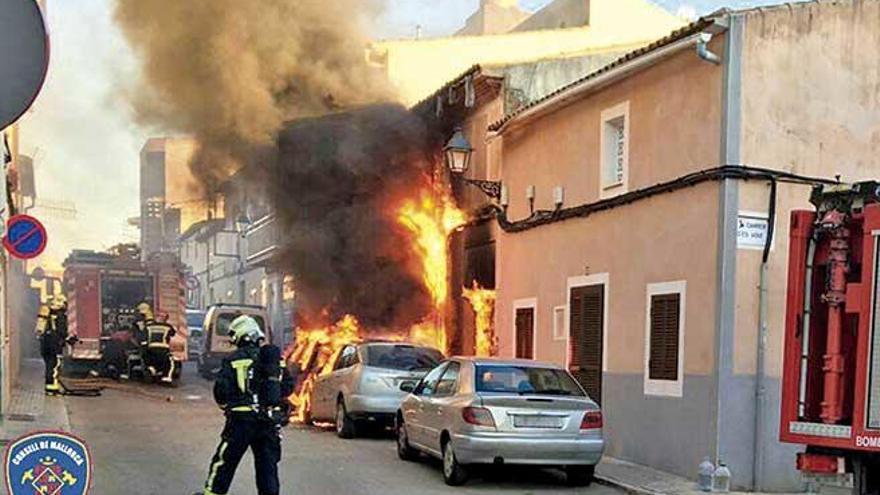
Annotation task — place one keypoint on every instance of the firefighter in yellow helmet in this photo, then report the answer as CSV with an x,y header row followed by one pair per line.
x,y
252,388
52,332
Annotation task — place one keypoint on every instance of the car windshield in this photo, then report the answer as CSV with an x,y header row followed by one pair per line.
x,y
195,319
526,380
403,357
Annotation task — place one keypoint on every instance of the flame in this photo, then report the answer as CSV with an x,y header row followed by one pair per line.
x,y
483,303
430,218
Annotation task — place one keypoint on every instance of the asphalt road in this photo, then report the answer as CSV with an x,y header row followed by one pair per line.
x,y
141,443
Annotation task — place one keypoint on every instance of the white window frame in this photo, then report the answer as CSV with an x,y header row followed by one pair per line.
x,y
584,281
666,388
559,330
609,189
531,302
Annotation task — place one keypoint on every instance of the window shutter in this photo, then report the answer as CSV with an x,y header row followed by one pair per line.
x,y
665,319
525,332
586,327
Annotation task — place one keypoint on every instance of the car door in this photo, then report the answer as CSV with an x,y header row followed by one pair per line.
x,y
325,391
438,404
414,414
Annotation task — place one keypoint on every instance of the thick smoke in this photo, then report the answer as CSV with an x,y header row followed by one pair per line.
x,y
337,189
231,72
268,86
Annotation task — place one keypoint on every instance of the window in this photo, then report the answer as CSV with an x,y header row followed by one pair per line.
x,y
402,357
449,383
525,380
559,323
614,144
347,358
429,383
664,351
524,328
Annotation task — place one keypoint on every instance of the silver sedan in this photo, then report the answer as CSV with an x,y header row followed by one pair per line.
x,y
472,411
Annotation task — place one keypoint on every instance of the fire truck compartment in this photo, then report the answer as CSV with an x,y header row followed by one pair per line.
x,y
120,295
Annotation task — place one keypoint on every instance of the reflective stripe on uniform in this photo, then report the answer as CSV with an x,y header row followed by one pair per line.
x,y
244,409
215,467
242,367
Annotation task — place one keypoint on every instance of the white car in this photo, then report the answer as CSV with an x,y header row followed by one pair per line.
x,y
480,411
364,386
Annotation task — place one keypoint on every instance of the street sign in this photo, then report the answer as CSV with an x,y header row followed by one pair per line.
x,y
24,51
752,230
25,237
192,282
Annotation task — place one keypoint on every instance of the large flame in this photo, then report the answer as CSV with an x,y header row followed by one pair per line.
x,y
431,218
483,303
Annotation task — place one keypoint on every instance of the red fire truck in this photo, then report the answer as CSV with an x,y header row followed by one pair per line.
x,y
831,377
104,289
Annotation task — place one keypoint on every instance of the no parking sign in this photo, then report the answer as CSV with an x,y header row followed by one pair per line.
x,y
25,237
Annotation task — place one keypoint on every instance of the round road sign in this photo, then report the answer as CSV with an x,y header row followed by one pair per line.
x,y
25,237
24,50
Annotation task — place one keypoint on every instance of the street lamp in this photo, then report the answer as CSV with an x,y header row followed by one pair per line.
x,y
458,152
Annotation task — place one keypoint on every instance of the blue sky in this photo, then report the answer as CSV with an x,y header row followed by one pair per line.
x,y
86,144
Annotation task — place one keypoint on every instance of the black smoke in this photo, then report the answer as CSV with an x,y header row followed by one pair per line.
x,y
336,186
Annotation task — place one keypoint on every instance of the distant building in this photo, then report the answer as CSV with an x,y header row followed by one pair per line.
x,y
493,17
563,29
171,199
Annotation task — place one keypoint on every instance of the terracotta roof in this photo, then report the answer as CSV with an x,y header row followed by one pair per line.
x,y
679,34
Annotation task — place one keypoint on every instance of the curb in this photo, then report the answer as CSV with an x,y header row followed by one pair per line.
x,y
631,489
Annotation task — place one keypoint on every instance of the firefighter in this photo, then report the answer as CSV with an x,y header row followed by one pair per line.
x,y
52,332
157,352
252,388
143,315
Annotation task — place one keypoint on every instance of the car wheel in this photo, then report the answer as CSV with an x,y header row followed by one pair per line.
x,y
580,475
454,474
404,451
345,427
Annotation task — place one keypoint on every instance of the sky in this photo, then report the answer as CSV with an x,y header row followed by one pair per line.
x,y
86,145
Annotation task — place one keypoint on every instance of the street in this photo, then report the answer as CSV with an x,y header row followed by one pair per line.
x,y
144,444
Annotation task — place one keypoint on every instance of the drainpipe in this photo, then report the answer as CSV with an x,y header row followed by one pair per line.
x,y
760,377
703,49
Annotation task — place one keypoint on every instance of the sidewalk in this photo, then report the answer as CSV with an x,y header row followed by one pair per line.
x,y
29,409
642,480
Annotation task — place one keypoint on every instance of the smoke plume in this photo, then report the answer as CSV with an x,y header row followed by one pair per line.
x,y
281,90
231,72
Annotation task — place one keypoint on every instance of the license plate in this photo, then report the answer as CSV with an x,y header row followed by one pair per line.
x,y
521,421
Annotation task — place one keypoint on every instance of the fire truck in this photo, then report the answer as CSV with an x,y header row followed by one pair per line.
x,y
104,289
831,372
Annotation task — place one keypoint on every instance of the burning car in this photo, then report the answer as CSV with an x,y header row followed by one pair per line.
x,y
363,387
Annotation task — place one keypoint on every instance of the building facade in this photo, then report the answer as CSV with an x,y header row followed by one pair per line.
x,y
565,28
633,246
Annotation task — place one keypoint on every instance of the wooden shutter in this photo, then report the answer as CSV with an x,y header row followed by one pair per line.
x,y
586,322
525,333
665,320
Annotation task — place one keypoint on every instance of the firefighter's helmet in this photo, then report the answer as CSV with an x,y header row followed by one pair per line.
x,y
245,329
145,309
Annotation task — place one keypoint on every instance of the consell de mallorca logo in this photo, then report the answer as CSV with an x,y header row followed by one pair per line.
x,y
48,463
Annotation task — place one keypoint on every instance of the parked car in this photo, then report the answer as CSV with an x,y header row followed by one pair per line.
x,y
473,411
364,386
216,344
195,319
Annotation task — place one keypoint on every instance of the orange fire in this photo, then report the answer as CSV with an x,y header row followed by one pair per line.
x,y
431,219
483,303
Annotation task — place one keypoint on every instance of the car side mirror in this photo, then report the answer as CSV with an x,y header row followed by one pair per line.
x,y
407,387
